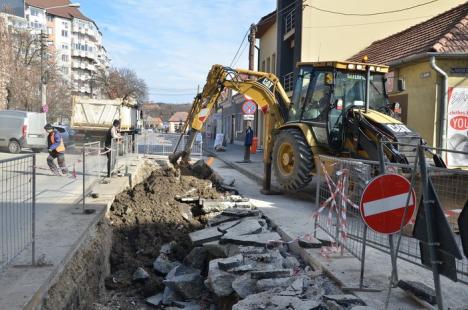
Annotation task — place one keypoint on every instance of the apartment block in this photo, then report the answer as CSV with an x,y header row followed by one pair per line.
x,y
73,38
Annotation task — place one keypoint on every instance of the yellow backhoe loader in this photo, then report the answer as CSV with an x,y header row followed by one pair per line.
x,y
337,108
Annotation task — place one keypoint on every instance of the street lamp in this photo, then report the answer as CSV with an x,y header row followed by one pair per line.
x,y
43,48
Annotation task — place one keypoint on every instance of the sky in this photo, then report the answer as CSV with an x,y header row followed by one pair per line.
x,y
172,44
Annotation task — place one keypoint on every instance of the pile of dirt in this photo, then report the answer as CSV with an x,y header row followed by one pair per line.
x,y
143,219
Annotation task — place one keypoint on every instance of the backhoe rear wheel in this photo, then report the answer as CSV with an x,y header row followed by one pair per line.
x,y
292,160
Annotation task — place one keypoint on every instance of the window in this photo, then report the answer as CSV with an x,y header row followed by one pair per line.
x,y
268,64
64,33
50,18
65,70
34,12
65,58
273,64
65,46
65,25
50,30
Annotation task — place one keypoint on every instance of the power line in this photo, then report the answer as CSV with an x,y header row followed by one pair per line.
x,y
369,14
240,46
362,24
240,55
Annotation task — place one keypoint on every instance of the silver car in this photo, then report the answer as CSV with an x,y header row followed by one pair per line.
x,y
22,129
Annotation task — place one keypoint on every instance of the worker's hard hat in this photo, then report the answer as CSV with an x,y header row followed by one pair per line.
x,y
48,126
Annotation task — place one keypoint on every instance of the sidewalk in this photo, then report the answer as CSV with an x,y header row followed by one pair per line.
x,y
61,228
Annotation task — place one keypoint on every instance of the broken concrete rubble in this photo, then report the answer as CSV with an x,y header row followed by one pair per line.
x,y
163,265
267,274
240,212
244,285
346,300
140,275
218,281
155,300
227,225
246,227
268,284
230,262
205,235
262,239
186,281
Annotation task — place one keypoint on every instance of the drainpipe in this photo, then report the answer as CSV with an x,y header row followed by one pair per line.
x,y
443,105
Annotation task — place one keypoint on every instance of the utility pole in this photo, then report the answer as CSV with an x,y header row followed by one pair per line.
x,y
43,40
253,31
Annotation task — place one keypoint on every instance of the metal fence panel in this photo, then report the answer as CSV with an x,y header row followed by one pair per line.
x,y
451,186
17,207
151,143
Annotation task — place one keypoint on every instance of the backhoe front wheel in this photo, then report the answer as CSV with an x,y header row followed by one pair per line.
x,y
292,160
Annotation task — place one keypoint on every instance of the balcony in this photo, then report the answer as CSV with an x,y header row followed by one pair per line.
x,y
289,24
288,81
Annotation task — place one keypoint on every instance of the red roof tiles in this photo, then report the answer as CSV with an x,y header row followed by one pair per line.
x,y
65,12
447,32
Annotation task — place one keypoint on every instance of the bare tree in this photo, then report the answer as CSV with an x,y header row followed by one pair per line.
x,y
5,63
25,76
122,83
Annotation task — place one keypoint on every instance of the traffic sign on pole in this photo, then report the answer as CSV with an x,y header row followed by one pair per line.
x,y
249,107
384,201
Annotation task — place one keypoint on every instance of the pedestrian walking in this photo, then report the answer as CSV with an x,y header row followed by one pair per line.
x,y
248,142
56,149
112,133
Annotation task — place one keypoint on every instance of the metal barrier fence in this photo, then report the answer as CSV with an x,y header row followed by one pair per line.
x,y
150,143
339,191
17,207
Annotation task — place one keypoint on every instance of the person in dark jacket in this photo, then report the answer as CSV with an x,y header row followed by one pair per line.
x,y
56,149
248,142
112,133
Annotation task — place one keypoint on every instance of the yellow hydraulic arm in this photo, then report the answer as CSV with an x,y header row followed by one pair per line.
x,y
264,89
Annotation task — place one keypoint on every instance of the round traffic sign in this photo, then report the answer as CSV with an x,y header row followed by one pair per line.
x,y
249,107
383,203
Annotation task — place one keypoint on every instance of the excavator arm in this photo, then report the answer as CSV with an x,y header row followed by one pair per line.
x,y
264,89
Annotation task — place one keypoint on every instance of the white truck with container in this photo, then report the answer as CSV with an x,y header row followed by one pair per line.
x,y
91,118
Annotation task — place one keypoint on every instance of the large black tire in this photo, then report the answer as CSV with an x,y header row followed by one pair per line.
x,y
292,160
14,147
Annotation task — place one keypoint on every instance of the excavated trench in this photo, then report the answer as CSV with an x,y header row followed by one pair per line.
x,y
151,251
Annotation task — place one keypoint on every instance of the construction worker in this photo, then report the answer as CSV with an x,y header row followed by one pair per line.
x,y
248,141
112,133
56,149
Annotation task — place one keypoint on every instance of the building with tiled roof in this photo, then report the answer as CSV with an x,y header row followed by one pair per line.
x,y
444,33
177,120
429,78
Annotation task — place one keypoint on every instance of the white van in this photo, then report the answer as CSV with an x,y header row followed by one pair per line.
x,y
21,129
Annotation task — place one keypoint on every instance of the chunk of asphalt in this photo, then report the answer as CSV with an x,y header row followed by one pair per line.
x,y
268,284
244,285
205,235
219,281
240,212
163,265
242,269
231,262
260,240
291,262
345,300
218,250
268,274
309,243
155,300
169,295
189,286
140,275
419,290
246,227
227,225
210,206
219,219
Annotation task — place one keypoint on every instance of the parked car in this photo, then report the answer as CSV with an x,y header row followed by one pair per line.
x,y
22,129
66,132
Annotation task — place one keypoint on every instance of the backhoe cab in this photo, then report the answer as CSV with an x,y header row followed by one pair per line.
x,y
339,109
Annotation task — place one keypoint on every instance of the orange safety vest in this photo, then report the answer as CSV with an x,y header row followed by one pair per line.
x,y
61,147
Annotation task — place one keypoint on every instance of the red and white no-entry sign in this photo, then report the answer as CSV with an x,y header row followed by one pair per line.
x,y
383,203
